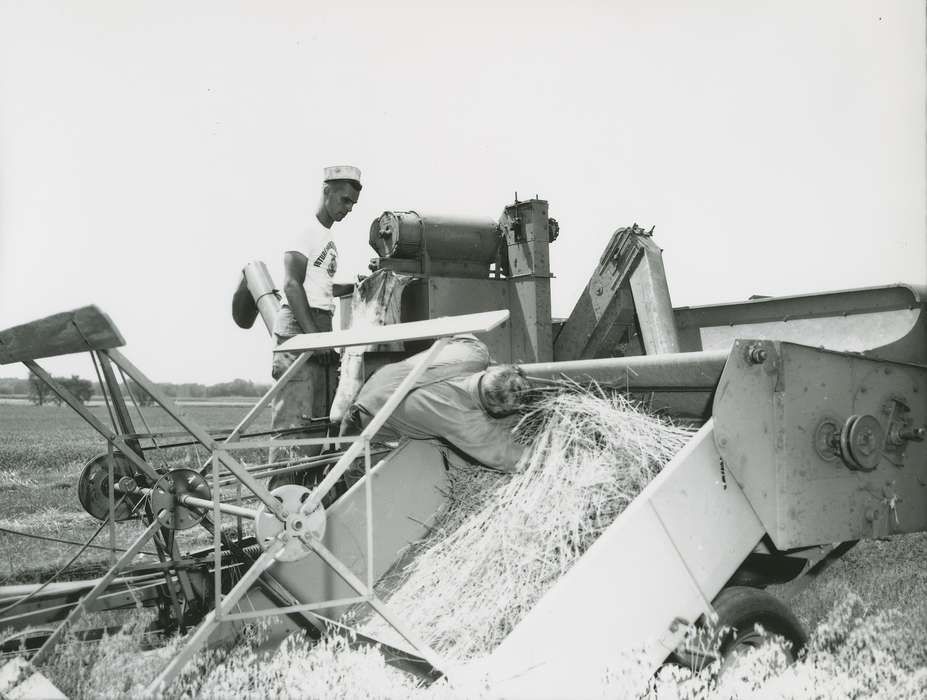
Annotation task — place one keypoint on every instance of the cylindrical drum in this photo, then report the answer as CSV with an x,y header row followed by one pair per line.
x,y
408,234
262,289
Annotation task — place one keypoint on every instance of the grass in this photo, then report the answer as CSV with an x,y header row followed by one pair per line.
x,y
868,612
43,450
860,648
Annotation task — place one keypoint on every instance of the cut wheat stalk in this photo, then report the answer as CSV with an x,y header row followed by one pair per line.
x,y
503,540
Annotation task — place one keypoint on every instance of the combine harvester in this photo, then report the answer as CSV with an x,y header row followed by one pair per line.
x,y
811,414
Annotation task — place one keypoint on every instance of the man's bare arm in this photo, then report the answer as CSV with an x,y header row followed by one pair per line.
x,y
294,276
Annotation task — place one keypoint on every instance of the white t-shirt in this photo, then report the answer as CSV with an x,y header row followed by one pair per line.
x,y
317,245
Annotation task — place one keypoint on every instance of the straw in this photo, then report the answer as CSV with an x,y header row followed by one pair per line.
x,y
503,540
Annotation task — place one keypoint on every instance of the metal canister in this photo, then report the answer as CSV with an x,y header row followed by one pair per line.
x,y
410,235
262,289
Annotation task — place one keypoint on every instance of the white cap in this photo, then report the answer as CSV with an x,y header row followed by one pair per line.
x,y
342,172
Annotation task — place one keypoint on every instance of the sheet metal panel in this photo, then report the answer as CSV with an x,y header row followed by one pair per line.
x,y
664,558
767,415
376,335
407,493
889,321
447,296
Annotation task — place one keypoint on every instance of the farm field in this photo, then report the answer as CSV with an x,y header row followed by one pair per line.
x,y
42,452
867,613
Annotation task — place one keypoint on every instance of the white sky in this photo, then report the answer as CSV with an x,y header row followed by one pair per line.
x,y
149,149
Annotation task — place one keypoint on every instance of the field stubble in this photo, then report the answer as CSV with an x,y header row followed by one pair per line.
x,y
42,452
867,613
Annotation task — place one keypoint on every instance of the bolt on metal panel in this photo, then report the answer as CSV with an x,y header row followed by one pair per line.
x,y
824,444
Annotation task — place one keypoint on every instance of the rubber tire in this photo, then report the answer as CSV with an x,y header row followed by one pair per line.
x,y
739,608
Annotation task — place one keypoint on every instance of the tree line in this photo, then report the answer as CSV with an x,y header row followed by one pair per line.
x,y
83,389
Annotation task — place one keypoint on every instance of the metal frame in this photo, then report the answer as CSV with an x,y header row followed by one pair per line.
x,y
221,457
359,446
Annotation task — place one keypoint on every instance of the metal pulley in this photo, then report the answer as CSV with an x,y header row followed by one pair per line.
x,y
94,488
168,494
300,521
858,442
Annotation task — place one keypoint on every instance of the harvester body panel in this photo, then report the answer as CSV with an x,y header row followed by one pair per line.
x,y
408,490
632,594
889,322
779,423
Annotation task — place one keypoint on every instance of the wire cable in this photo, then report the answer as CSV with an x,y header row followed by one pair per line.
x,y
61,541
60,571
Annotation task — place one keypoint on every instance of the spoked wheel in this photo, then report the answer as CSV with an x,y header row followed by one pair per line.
x,y
748,618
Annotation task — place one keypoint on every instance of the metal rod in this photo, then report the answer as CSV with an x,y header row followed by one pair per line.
x,y
194,502
220,434
59,540
265,399
92,595
268,396
262,471
216,534
375,424
159,684
232,464
354,582
368,495
287,466
46,610
169,583
111,502
672,372
92,420
305,607
295,442
217,506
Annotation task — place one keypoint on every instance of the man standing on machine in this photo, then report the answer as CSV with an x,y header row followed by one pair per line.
x,y
310,261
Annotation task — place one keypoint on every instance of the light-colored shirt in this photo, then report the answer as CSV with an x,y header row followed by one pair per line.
x,y
451,410
317,245
445,404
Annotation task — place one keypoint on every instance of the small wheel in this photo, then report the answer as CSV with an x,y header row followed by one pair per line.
x,y
740,610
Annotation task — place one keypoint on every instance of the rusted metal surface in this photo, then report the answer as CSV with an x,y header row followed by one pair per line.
x,y
824,444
